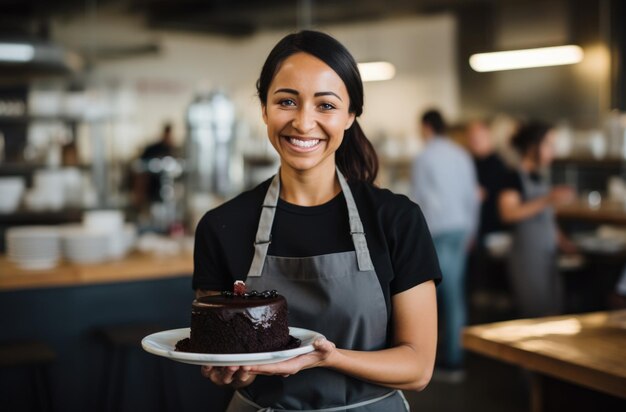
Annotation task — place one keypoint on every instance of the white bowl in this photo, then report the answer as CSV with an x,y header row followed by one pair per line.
x,y
107,220
11,190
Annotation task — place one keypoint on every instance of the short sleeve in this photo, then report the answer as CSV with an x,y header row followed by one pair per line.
x,y
512,181
412,251
209,267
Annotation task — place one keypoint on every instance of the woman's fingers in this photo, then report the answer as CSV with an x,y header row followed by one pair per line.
x,y
323,349
243,374
323,345
206,371
225,375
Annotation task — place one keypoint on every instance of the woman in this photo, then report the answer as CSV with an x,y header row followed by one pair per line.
x,y
356,263
527,202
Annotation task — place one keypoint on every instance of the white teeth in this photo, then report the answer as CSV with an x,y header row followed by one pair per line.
x,y
303,143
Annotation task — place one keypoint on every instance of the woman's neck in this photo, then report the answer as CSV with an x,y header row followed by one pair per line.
x,y
528,165
309,188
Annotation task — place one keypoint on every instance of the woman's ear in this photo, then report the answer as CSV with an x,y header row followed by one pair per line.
x,y
350,121
264,113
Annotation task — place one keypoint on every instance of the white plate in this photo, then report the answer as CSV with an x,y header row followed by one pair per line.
x,y
164,344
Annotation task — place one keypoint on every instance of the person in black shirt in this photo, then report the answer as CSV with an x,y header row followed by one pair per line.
x,y
527,203
355,262
490,169
485,270
148,176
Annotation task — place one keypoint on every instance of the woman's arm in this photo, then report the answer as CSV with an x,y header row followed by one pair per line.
x,y
512,209
407,365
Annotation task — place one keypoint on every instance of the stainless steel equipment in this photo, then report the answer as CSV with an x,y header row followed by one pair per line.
x,y
210,145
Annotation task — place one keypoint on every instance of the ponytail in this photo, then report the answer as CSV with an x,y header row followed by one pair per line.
x,y
356,157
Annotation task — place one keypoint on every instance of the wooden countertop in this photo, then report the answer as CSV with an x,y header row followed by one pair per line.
x,y
608,212
136,266
587,350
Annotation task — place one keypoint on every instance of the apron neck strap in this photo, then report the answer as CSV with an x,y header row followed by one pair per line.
x,y
356,227
264,231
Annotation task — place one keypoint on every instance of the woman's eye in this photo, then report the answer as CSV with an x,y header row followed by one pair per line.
x,y
287,102
327,106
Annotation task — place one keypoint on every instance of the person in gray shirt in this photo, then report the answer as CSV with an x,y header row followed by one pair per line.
x,y
444,185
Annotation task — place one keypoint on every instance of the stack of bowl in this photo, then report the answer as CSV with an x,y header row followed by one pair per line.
x,y
81,245
33,247
120,236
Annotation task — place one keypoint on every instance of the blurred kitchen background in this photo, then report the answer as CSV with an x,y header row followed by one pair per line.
x,y
96,229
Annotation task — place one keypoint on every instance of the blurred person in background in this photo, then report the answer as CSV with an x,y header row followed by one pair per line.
x,y
485,269
147,182
527,203
444,184
490,169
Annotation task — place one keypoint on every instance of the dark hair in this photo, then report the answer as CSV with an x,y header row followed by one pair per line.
x,y
355,157
529,136
435,120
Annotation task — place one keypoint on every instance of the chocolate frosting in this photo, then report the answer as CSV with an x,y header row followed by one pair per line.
x,y
259,310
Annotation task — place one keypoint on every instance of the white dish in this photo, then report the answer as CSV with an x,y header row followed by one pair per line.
x,y
35,264
164,344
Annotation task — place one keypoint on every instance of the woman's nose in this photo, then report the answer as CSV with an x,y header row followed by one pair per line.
x,y
304,120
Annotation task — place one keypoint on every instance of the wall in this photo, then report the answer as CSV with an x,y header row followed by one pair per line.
x,y
162,85
576,93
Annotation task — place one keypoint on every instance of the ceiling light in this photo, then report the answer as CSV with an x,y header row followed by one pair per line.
x,y
16,52
376,71
523,59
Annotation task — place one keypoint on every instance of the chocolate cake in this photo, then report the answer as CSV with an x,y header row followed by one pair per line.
x,y
239,322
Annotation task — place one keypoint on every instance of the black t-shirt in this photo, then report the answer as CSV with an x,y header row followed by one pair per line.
x,y
490,172
397,236
156,151
513,181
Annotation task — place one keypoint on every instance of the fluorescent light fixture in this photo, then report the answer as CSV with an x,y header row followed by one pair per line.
x,y
523,59
376,71
16,52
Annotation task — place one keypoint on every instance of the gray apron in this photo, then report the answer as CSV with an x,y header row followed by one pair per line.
x,y
532,261
338,295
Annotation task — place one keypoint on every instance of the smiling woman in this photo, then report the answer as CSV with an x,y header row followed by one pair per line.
x,y
355,262
307,114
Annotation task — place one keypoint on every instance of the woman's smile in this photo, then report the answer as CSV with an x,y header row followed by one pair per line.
x,y
302,144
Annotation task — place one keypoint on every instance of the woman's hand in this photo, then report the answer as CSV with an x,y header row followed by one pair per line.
x,y
562,195
240,376
565,244
234,376
324,350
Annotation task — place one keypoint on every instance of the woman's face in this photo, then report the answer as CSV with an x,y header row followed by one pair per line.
x,y
306,113
546,149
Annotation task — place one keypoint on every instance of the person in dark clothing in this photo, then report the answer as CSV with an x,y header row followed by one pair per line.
x,y
527,202
164,147
147,182
486,280
490,169
355,262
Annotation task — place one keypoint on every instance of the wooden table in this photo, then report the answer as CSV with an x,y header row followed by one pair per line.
x,y
137,266
566,354
607,212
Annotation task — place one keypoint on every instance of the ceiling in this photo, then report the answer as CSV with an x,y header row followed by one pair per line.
x,y
228,17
